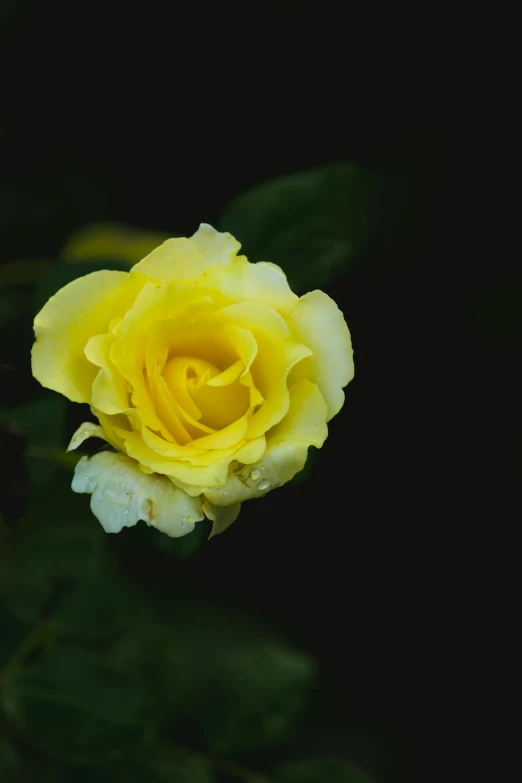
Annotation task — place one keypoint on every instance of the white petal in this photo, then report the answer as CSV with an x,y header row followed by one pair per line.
x,y
122,494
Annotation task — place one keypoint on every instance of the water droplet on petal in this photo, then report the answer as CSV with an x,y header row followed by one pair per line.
x,y
255,475
263,485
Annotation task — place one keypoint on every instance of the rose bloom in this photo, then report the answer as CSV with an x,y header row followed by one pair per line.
x,y
209,377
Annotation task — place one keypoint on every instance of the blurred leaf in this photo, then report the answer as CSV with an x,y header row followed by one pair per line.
x,y
115,772
24,272
36,213
74,706
254,696
185,546
320,771
100,605
13,304
173,764
116,241
14,478
42,423
12,633
57,549
63,273
502,315
69,564
187,642
311,224
16,338
9,762
25,598
44,555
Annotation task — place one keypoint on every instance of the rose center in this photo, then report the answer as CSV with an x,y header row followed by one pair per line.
x,y
213,396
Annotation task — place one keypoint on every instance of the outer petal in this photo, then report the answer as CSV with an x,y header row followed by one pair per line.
x,y
109,388
214,246
319,324
81,309
221,516
286,452
122,494
109,425
263,283
186,259
85,431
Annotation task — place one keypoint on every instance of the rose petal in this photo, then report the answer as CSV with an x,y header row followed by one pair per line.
x,y
286,451
63,326
186,259
319,324
221,516
85,431
122,494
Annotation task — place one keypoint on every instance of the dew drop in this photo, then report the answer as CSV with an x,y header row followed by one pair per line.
x,y
263,485
255,475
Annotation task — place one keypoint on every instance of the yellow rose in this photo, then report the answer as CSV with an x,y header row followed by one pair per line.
x,y
208,375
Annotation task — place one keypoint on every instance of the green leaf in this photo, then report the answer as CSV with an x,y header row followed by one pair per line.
x,y
13,304
320,771
64,273
57,549
311,224
44,555
74,706
174,764
23,272
11,635
186,546
165,767
25,597
115,772
254,697
9,762
178,641
42,423
100,605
